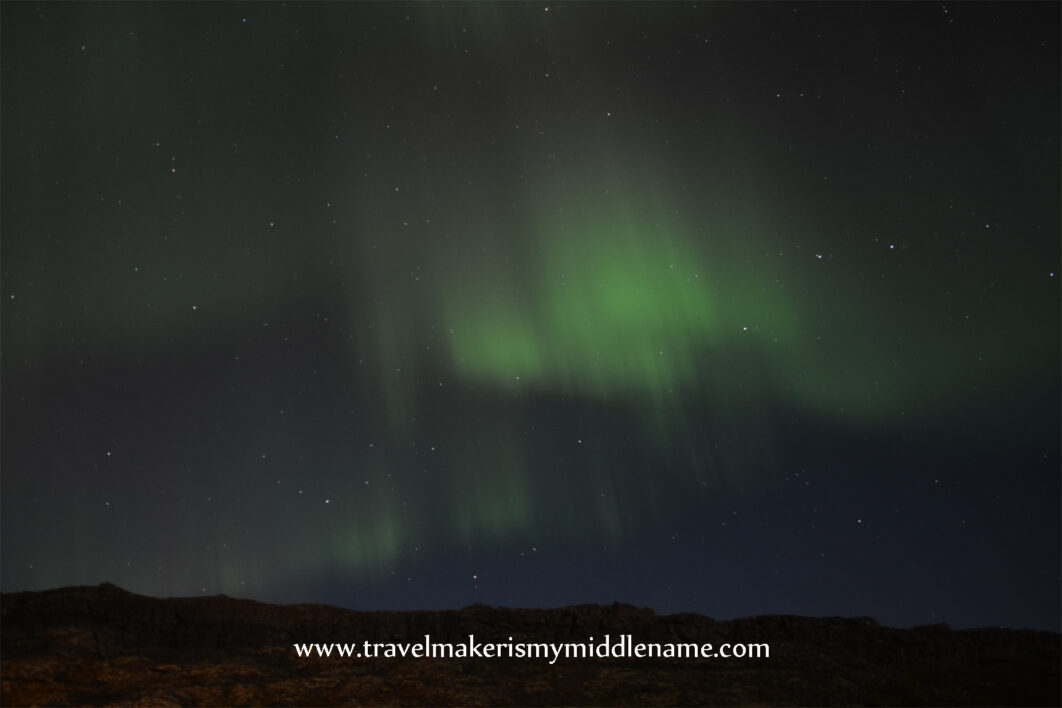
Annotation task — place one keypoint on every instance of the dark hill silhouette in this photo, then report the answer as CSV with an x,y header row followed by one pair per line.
x,y
103,645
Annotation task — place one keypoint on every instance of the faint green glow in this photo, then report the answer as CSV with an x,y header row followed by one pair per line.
x,y
611,305
370,542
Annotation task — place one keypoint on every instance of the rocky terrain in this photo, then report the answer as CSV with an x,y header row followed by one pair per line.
x,y
105,646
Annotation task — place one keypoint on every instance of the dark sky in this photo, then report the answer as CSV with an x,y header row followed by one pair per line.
x,y
731,308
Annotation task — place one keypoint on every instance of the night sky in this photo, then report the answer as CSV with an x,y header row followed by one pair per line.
x,y
731,308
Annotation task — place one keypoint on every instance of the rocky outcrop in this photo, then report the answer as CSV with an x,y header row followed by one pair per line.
x,y
103,645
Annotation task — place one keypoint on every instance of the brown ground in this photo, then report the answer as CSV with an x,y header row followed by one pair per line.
x,y
103,646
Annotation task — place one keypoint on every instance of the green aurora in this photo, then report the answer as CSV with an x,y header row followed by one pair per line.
x,y
497,305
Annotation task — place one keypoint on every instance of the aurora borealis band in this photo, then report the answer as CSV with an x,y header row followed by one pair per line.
x,y
726,308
